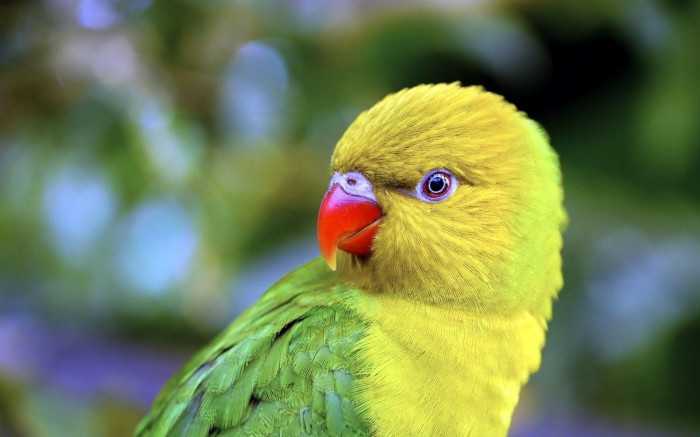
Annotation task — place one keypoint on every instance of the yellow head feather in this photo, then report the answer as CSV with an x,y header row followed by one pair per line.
x,y
495,243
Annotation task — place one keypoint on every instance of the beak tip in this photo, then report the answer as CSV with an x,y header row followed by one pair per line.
x,y
330,261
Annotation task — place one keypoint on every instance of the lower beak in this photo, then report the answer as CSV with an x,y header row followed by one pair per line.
x,y
346,222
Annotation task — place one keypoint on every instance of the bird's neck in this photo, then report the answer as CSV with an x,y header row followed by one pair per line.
x,y
441,371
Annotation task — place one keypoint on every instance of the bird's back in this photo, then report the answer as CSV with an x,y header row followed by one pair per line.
x,y
286,367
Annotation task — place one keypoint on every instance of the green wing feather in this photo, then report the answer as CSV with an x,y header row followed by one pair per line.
x,y
285,367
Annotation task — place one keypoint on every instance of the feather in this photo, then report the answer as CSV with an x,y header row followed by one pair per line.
x,y
272,369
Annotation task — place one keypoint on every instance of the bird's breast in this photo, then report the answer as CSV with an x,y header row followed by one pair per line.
x,y
437,371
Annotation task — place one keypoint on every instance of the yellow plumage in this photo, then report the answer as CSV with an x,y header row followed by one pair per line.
x,y
461,290
436,320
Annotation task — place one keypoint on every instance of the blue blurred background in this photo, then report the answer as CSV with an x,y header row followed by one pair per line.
x,y
161,163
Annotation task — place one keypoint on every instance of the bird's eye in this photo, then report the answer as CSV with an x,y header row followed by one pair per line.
x,y
435,186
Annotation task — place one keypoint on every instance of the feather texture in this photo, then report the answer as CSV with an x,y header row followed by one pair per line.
x,y
286,367
435,332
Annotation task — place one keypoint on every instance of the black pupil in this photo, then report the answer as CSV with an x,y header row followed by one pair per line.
x,y
437,184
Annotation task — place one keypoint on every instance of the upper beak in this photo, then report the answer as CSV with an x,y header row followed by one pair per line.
x,y
346,221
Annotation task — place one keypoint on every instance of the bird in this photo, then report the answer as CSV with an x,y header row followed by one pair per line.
x,y
440,237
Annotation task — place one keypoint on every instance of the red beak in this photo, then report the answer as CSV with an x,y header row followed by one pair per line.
x,y
347,222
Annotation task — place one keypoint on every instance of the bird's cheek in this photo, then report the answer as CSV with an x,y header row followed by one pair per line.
x,y
347,222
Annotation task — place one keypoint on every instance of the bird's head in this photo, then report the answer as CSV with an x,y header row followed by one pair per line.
x,y
447,195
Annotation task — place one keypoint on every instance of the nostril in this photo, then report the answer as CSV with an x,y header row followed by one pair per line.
x,y
351,181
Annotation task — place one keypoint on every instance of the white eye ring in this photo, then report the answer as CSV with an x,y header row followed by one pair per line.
x,y
436,186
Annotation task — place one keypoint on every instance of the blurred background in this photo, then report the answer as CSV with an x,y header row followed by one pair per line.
x,y
161,164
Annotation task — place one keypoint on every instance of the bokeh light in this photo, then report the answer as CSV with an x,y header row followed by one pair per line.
x,y
161,163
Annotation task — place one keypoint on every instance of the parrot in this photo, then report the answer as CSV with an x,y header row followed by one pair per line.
x,y
440,237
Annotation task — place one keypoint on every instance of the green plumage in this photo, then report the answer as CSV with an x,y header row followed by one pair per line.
x,y
286,367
